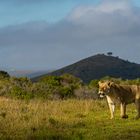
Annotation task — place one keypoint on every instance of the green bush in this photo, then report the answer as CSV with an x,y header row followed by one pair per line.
x,y
66,92
93,84
51,80
68,79
20,93
4,74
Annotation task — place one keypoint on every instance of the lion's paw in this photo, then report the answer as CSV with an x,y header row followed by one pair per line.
x,y
124,116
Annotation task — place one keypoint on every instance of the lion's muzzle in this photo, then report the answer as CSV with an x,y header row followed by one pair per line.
x,y
101,94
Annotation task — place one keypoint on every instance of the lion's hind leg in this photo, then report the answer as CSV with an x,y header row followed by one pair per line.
x,y
137,102
123,111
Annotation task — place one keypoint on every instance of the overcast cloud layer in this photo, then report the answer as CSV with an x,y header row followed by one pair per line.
x,y
87,30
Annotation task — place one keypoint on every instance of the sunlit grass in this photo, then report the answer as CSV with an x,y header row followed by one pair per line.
x,y
64,119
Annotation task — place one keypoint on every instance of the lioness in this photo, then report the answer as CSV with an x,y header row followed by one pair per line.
x,y
124,94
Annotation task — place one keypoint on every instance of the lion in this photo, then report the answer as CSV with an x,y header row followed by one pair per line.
x,y
122,94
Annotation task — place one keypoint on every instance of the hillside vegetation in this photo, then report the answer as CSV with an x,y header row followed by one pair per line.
x,y
98,66
53,87
49,87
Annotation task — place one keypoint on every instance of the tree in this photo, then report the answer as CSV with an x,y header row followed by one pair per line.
x,y
4,74
109,53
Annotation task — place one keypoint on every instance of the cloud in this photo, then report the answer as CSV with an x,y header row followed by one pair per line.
x,y
87,30
108,6
23,35
110,17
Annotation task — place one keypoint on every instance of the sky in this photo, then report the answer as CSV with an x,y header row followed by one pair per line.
x,y
50,34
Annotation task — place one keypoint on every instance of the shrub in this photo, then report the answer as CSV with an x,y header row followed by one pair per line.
x,y
51,80
68,79
93,84
19,93
66,92
86,93
4,74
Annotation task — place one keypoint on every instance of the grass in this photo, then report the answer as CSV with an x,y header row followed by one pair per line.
x,y
67,119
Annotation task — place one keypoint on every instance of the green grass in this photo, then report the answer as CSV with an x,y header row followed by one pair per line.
x,y
67,119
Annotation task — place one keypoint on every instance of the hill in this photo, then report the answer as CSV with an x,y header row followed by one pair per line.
x,y
98,66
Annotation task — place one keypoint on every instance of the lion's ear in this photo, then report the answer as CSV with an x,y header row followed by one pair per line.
x,y
100,82
110,84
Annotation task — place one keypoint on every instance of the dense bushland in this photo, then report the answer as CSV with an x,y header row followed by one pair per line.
x,y
52,87
48,87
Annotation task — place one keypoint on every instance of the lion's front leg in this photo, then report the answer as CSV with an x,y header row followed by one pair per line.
x,y
111,106
123,111
112,109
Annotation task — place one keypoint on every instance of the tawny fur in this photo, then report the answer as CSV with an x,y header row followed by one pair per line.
x,y
122,94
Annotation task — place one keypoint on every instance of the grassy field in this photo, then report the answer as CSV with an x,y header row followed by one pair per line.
x,y
67,119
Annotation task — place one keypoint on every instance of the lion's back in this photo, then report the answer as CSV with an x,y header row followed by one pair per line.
x,y
127,93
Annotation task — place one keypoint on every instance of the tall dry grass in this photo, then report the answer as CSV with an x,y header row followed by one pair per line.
x,y
63,119
19,118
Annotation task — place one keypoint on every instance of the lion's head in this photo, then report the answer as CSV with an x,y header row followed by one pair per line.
x,y
104,88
